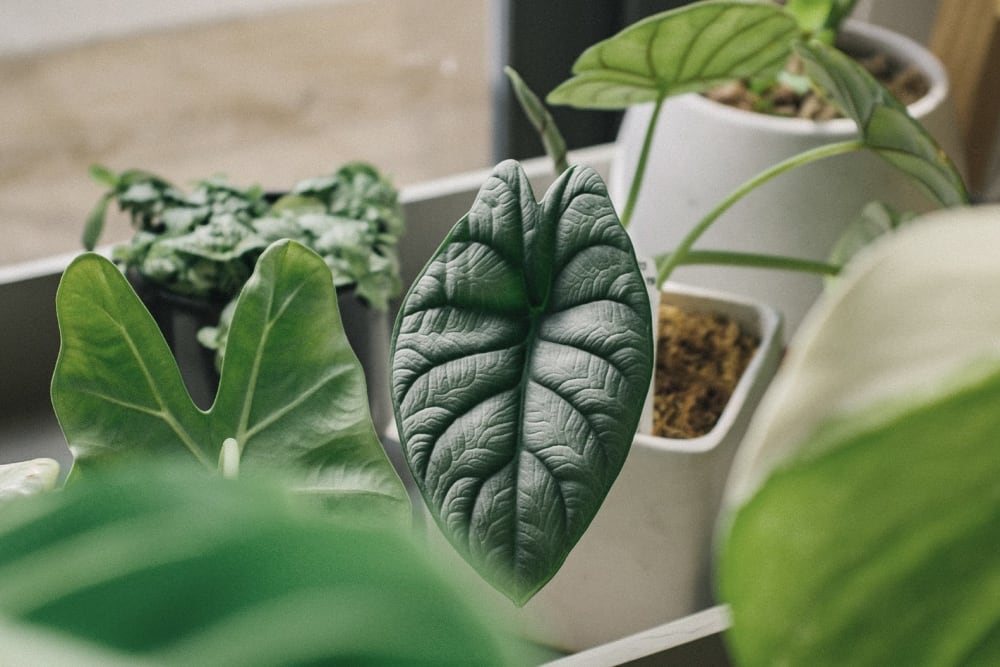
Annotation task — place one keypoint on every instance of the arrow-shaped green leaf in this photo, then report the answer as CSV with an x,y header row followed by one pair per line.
x,y
680,51
884,124
291,394
521,361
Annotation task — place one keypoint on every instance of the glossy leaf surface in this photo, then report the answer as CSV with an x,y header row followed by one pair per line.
x,y
883,122
680,51
521,360
291,393
864,505
166,566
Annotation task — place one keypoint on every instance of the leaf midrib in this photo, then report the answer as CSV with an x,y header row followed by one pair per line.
x,y
163,412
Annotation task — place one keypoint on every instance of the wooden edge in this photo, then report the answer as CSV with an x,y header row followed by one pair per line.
x,y
966,37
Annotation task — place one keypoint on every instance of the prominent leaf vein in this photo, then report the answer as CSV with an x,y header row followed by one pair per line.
x,y
303,396
163,412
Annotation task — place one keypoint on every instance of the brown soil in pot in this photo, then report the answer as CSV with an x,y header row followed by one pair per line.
x,y
699,359
907,83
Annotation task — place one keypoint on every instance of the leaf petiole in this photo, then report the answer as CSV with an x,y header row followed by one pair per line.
x,y
677,257
749,260
640,167
229,458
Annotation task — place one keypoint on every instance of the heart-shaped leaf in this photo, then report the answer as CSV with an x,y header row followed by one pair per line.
x,y
291,393
521,361
680,51
883,122
864,502
154,565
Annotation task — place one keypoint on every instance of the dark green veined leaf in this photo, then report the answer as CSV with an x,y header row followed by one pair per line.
x,y
27,478
167,567
680,51
882,550
884,124
292,393
521,360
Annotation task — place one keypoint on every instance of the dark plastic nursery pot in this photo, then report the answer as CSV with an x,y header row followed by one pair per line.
x,y
180,318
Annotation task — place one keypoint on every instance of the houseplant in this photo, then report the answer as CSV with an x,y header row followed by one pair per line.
x,y
861,523
606,270
147,556
696,151
291,398
192,252
588,609
290,404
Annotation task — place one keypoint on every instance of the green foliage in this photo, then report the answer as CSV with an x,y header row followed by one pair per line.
x,y
864,504
521,360
707,43
541,120
291,394
820,18
881,549
205,243
680,51
885,126
164,566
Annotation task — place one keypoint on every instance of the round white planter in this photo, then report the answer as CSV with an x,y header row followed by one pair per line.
x,y
703,150
646,558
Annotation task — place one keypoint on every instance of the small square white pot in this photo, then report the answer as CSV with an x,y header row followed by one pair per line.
x,y
646,558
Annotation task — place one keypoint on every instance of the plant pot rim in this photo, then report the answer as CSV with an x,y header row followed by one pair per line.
x,y
769,321
897,45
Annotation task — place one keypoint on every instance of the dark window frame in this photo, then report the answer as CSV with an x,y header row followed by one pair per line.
x,y
541,39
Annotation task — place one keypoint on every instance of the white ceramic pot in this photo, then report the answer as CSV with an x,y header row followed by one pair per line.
x,y
703,150
646,558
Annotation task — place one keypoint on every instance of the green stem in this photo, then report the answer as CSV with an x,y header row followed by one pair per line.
x,y
229,458
677,257
640,167
750,260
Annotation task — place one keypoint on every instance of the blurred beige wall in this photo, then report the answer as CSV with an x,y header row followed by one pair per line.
x,y
268,98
